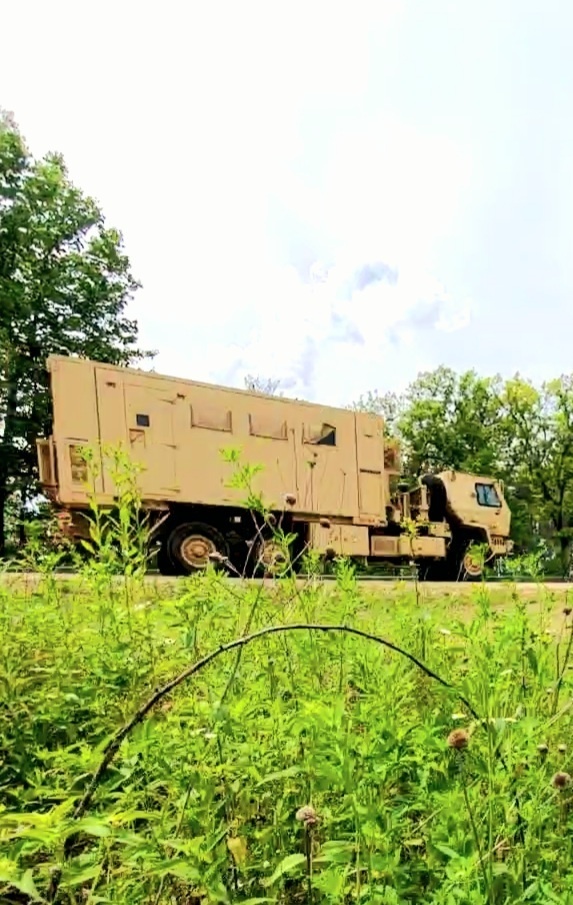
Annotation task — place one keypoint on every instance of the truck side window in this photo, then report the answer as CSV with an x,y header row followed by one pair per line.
x,y
320,435
142,420
487,496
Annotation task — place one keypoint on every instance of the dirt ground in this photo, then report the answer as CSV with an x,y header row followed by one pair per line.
x,y
499,592
457,599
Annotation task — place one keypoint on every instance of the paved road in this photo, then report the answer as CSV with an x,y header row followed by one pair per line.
x,y
28,580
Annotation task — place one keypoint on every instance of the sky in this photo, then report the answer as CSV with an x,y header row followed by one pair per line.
x,y
338,196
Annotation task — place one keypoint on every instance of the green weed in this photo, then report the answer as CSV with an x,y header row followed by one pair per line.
x,y
302,765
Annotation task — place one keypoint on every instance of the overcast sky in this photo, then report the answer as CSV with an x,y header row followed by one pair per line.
x,y
337,195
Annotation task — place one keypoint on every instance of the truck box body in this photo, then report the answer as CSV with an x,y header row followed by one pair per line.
x,y
331,459
333,465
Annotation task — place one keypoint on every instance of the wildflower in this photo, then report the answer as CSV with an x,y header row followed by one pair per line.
x,y
324,523
444,631
290,499
560,780
543,749
458,738
307,815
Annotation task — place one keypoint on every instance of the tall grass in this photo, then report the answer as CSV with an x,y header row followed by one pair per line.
x,y
303,766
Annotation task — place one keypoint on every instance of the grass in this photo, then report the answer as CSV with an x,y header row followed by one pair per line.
x,y
302,767
158,744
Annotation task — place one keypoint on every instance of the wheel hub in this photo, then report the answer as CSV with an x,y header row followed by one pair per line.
x,y
271,556
472,564
196,550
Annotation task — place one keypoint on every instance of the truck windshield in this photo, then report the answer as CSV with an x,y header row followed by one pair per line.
x,y
487,496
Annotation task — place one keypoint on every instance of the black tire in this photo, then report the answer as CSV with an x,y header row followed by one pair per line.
x,y
165,564
456,567
194,559
264,543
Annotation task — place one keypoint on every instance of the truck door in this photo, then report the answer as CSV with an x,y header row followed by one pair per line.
x,y
370,465
139,415
149,416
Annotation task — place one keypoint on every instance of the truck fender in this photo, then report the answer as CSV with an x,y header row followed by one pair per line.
x,y
438,497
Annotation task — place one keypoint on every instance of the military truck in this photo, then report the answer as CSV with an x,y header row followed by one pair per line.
x,y
329,475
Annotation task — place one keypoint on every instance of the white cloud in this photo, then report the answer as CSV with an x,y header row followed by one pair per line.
x,y
184,123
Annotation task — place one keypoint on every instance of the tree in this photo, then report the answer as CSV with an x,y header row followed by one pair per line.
x,y
538,451
269,386
451,421
389,406
65,282
510,430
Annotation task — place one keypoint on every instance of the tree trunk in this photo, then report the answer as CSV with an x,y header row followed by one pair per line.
x,y
3,502
564,545
7,455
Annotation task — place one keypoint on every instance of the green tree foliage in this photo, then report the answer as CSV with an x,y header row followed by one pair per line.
x,y
388,405
508,429
65,282
537,450
451,421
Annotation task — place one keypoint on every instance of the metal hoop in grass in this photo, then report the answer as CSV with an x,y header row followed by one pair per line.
x,y
115,742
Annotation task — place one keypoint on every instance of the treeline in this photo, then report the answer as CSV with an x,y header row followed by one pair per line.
x,y
511,429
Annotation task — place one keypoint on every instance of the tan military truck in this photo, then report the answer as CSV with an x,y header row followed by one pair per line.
x,y
328,473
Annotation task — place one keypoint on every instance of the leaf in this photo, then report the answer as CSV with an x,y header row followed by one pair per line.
x,y
24,883
532,660
237,845
91,827
258,901
446,850
286,866
280,774
337,852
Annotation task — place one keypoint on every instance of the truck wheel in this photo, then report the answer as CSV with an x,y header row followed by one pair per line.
x,y
193,544
269,557
464,564
471,565
165,564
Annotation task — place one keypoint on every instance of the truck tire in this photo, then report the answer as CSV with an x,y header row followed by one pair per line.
x,y
165,564
438,497
192,545
462,564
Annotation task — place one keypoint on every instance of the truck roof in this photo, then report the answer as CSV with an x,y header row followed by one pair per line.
x,y
54,359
